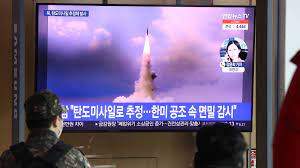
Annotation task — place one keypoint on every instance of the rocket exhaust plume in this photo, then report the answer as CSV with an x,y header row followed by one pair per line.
x,y
143,90
144,86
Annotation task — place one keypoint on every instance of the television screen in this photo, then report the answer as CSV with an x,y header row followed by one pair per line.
x,y
147,68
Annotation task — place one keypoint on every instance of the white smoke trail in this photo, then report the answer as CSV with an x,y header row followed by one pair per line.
x,y
143,90
144,86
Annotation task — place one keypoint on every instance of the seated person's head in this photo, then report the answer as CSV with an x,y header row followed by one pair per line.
x,y
43,111
219,146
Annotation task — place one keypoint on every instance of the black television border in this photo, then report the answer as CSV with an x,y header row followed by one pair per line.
x,y
37,60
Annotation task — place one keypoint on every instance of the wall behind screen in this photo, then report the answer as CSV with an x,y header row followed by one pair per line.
x,y
292,42
5,75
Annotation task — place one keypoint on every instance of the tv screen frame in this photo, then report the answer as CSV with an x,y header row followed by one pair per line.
x,y
41,63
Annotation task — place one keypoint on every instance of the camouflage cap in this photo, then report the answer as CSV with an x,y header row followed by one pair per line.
x,y
43,105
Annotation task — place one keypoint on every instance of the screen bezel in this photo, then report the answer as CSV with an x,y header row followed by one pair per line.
x,y
37,60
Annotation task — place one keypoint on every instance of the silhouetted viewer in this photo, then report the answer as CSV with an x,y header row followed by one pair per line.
x,y
42,148
219,146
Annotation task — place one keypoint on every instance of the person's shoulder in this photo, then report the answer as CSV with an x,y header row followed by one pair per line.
x,y
77,157
7,155
7,159
76,152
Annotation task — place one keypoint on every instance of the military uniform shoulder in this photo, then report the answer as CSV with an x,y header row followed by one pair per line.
x,y
76,158
7,155
76,152
7,159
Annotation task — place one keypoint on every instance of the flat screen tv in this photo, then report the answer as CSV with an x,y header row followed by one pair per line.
x,y
147,68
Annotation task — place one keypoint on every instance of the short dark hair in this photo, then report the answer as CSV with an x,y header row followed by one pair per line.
x,y
41,108
219,145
